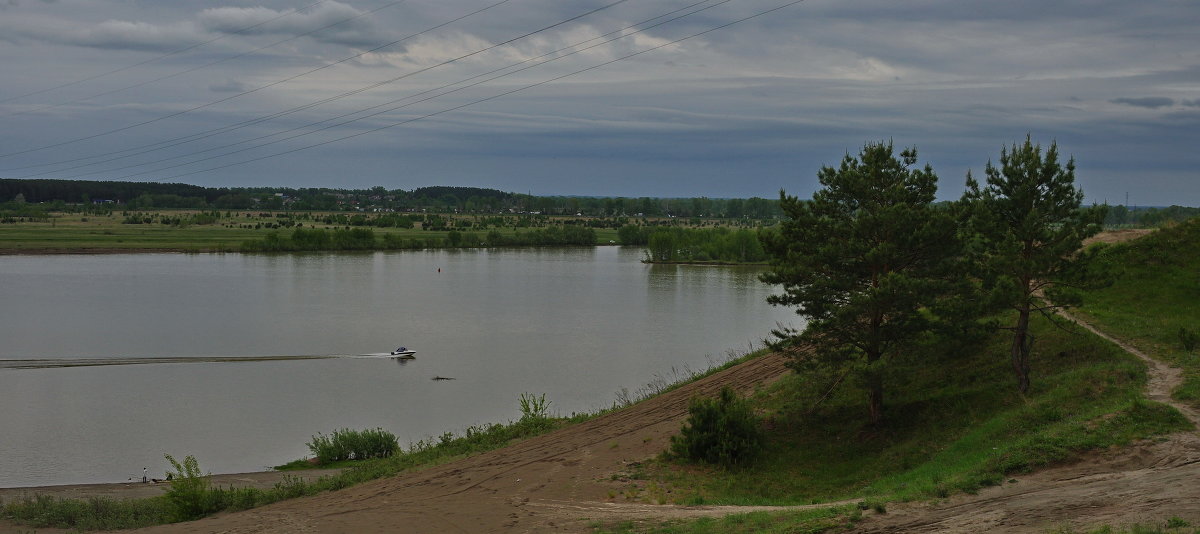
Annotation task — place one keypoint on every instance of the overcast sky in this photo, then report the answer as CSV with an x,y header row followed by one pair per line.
x,y
90,87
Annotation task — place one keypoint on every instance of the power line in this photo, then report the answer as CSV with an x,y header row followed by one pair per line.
x,y
454,108
388,110
209,133
494,97
215,62
177,52
259,88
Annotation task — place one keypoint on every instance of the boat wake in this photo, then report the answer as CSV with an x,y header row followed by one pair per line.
x,y
50,363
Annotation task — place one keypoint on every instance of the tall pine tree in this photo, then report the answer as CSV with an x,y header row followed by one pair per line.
x,y
861,261
1027,227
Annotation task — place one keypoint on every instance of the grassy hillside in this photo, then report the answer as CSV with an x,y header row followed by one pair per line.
x,y
1155,296
955,422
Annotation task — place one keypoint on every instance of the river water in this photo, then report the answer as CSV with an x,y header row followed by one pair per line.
x,y
579,325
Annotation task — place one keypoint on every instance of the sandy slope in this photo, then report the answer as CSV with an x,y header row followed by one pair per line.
x,y
561,482
556,482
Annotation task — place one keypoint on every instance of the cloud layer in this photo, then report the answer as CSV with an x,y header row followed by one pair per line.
x,y
739,111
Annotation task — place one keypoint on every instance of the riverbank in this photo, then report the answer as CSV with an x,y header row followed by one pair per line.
x,y
275,231
136,489
546,483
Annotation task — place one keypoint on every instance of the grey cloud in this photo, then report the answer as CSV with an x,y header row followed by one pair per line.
x,y
346,29
127,35
230,86
138,31
749,109
233,19
1152,102
108,35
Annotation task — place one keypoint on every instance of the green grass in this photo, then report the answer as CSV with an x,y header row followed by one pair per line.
x,y
1174,525
87,514
956,424
954,420
799,522
81,233
1156,292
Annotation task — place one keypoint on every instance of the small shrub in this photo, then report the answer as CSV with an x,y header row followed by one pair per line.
x,y
1189,338
534,407
346,444
191,495
719,431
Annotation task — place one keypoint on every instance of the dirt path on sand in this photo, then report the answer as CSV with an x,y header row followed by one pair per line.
x,y
1148,484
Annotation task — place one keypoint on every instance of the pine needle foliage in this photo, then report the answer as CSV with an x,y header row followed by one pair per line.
x,y
864,261
1026,226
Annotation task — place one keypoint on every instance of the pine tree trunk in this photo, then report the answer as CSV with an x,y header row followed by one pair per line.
x,y
1020,350
874,383
875,392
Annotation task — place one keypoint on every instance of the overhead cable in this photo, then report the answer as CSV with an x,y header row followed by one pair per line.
x,y
259,88
493,97
225,129
394,108
130,152
151,60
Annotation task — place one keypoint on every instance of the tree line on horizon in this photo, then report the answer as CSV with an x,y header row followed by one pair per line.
x,y
65,195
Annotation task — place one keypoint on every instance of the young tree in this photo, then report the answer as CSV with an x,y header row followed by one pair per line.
x,y
1027,227
861,262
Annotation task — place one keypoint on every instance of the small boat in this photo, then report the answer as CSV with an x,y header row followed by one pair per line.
x,y
403,352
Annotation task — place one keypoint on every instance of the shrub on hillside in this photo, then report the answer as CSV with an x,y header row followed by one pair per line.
x,y
190,495
346,444
721,431
1188,338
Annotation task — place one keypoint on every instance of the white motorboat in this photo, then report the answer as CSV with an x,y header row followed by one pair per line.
x,y
404,352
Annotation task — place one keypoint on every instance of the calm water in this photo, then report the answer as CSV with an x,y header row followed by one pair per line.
x,y
578,325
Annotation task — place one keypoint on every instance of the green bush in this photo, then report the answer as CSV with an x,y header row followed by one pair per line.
x,y
190,495
93,513
1189,338
346,444
721,431
534,407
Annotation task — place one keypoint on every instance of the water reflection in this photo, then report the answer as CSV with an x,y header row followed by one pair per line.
x,y
576,324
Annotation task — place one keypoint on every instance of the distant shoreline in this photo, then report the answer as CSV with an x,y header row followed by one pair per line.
x,y
712,263
97,251
136,489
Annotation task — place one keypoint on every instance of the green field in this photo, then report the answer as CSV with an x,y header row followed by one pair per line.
x,y
109,233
